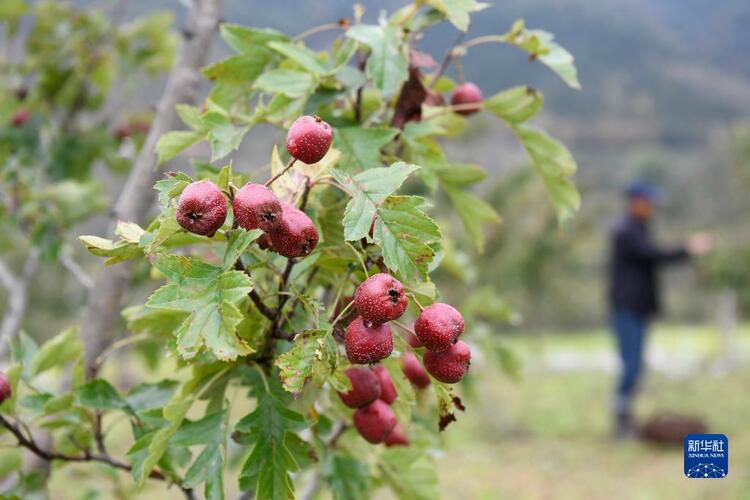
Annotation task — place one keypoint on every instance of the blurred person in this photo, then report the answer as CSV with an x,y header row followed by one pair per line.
x,y
635,260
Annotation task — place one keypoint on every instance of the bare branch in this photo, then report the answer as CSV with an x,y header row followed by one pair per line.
x,y
7,278
18,298
76,270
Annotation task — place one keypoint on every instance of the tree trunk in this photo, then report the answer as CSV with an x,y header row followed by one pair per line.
x,y
137,197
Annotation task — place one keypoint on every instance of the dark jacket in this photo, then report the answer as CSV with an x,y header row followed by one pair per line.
x,y
633,266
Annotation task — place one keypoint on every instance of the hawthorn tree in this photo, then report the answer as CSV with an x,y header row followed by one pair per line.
x,y
281,333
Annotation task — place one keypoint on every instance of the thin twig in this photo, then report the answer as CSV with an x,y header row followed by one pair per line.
x,y
318,29
76,270
288,166
30,444
449,55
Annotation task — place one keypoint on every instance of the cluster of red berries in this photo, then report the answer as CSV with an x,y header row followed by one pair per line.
x,y
368,339
288,231
371,395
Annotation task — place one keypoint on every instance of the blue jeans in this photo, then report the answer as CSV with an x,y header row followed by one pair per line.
x,y
630,328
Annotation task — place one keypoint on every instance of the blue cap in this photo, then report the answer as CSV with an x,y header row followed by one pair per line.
x,y
644,189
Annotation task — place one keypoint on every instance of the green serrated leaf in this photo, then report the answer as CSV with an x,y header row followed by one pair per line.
x,y
369,189
405,233
59,350
244,39
237,243
348,478
173,143
515,105
211,297
387,64
314,357
289,82
474,213
457,11
99,394
360,147
303,56
241,69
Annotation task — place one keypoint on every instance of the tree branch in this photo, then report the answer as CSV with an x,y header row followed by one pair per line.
x,y
137,197
29,443
76,270
18,299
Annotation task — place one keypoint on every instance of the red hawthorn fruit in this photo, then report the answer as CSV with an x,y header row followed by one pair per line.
x,y
308,139
375,422
5,391
467,93
20,117
397,437
380,298
256,207
439,326
202,208
367,345
413,370
365,387
387,389
294,235
448,366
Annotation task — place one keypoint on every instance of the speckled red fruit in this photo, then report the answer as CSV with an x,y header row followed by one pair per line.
x,y
367,345
375,422
294,235
380,298
202,208
413,341
4,387
308,139
388,392
365,388
448,366
256,207
467,93
20,118
397,437
413,370
438,326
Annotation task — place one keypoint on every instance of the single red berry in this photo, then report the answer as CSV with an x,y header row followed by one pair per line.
x,y
20,117
467,93
202,208
413,370
5,391
397,437
256,207
375,422
438,326
380,298
448,366
365,388
308,139
387,389
366,345
294,235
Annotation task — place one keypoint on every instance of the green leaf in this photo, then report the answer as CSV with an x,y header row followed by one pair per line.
x,y
474,213
387,64
63,348
144,397
171,187
241,69
410,473
405,233
211,297
278,451
128,247
244,39
348,478
460,174
173,143
100,395
369,189
516,104
361,146
289,82
303,56
555,164
541,45
313,357
238,241
457,11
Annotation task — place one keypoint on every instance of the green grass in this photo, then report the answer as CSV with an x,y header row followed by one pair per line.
x,y
548,435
